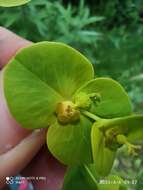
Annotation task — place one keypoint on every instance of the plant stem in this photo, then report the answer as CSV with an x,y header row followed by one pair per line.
x,y
91,115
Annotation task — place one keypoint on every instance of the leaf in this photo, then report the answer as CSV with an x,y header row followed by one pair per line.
x,y
116,183
85,177
11,20
12,3
114,101
103,157
71,144
132,126
39,77
80,177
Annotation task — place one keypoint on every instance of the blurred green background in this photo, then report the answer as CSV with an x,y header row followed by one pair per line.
x,y
109,33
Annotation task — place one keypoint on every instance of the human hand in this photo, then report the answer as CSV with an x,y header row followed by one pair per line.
x,y
18,146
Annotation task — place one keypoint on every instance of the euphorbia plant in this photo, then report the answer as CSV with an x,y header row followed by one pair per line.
x,y
51,85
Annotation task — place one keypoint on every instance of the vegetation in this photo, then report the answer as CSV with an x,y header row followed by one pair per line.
x,y
88,119
108,32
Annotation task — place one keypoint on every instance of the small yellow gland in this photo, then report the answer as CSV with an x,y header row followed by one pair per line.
x,y
67,112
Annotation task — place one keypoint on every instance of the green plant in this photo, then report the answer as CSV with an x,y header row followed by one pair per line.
x,y
12,3
119,13
121,58
52,21
50,84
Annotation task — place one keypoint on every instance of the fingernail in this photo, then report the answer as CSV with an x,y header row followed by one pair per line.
x,y
35,133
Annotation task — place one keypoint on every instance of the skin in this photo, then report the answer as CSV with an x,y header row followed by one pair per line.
x,y
23,151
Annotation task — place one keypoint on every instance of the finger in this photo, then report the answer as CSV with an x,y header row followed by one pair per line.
x,y
9,44
17,158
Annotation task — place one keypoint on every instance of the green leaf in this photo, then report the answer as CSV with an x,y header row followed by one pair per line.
x,y
117,183
39,77
86,178
113,100
103,157
132,126
80,178
71,144
12,3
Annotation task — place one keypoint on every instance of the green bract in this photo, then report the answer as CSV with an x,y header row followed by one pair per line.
x,y
50,84
36,80
12,3
41,76
108,135
71,143
102,155
111,100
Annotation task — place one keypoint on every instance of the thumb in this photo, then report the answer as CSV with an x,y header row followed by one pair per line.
x,y
17,146
9,44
